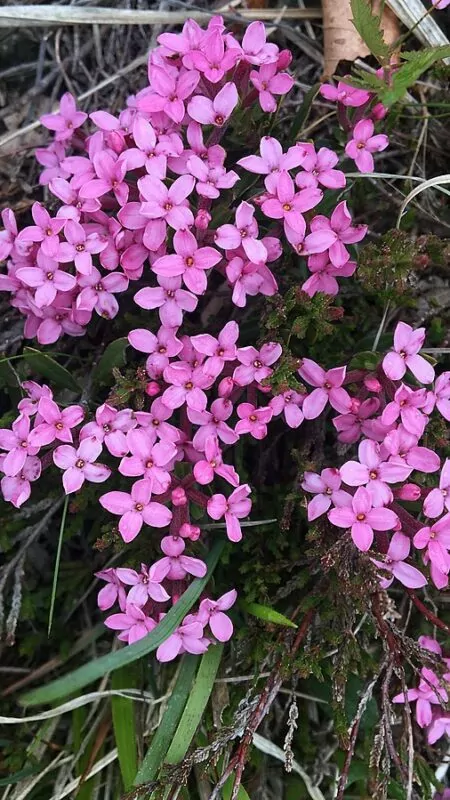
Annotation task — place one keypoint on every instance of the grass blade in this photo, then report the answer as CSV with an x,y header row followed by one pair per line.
x,y
96,669
196,704
124,725
228,789
164,735
57,562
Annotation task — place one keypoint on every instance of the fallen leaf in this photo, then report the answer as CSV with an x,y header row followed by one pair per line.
x,y
342,42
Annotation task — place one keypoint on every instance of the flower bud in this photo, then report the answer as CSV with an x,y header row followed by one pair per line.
x,y
226,386
152,389
407,492
191,532
372,384
178,496
202,219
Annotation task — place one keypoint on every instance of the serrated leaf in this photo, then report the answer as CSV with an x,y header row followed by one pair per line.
x,y
46,366
369,28
267,614
98,668
169,723
417,62
113,356
362,79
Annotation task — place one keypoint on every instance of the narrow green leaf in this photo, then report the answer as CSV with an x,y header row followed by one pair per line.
x,y
417,62
124,725
304,110
196,704
267,614
57,562
228,789
96,669
46,366
368,26
160,743
27,772
113,356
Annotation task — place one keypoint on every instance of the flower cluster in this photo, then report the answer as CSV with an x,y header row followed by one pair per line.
x,y
145,200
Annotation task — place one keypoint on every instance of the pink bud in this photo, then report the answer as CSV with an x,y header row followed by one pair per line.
x,y
191,532
226,386
202,219
372,384
407,492
259,199
179,497
152,389
379,112
284,59
355,405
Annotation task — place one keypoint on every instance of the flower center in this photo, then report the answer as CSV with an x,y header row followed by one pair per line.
x,y
155,422
257,364
49,232
59,426
189,385
49,276
218,119
402,354
360,517
432,535
168,206
243,233
98,287
189,261
327,385
170,293
106,428
316,173
360,146
329,491
373,475
79,248
149,464
79,463
24,444
287,207
139,507
162,349
220,352
253,417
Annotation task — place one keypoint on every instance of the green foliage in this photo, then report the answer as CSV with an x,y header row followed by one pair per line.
x,y
417,62
368,26
124,724
267,614
113,357
58,376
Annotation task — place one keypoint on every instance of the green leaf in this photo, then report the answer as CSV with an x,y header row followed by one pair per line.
x,y
124,725
304,110
267,614
368,359
417,62
10,380
196,704
368,26
57,562
101,666
168,725
49,368
27,772
113,356
228,789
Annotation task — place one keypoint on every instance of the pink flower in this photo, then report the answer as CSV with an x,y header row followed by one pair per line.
x,y
363,519
402,447
329,389
374,472
211,613
175,566
244,232
135,509
253,420
45,231
143,587
110,427
326,487
56,424
364,143
190,261
212,464
112,592
134,624
51,158
407,343
97,293
438,499
110,173
67,121
213,423
236,507
29,405
272,160
80,464
345,94
440,724
17,489
169,89
255,49
80,246
7,236
156,420
318,168
406,405
325,274
219,350
345,233
436,539
269,82
256,364
74,205
212,60
186,639
169,298
440,4
394,562
46,279
149,151
210,179
167,204
290,205
161,348
430,691
290,404
187,385
151,460
17,443
214,112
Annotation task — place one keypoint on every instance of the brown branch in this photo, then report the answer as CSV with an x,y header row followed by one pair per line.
x,y
427,613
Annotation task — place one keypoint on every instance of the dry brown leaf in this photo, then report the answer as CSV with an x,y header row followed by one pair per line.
x,y
342,42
